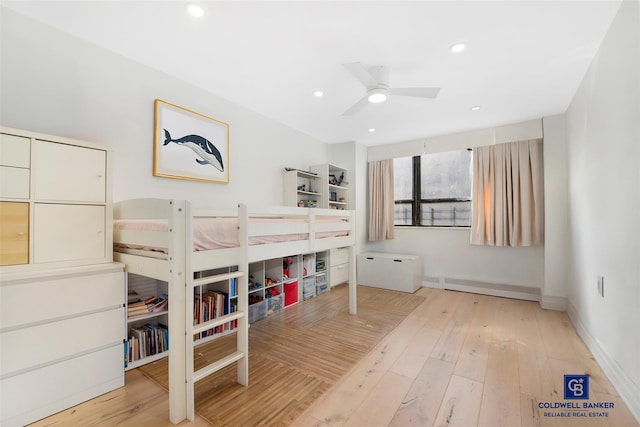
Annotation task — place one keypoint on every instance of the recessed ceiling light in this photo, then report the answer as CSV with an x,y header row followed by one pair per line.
x,y
194,10
458,47
372,130
318,94
475,108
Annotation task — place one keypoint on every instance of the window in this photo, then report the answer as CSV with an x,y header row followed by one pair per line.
x,y
433,190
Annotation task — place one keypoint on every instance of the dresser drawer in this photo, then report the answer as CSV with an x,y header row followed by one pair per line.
x,y
338,256
40,300
36,394
339,274
14,182
15,151
43,344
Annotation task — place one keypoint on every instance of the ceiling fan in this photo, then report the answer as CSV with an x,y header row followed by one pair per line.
x,y
376,80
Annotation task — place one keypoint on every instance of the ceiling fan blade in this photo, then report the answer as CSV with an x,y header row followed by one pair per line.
x,y
419,92
361,73
356,107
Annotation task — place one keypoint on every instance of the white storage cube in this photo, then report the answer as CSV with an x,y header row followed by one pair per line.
x,y
398,272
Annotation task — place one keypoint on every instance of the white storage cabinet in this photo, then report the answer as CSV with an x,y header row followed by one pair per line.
x,y
398,272
60,188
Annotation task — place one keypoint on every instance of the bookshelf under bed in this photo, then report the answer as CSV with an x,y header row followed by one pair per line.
x,y
172,242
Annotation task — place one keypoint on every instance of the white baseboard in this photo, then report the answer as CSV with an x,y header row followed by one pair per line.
x,y
552,302
626,388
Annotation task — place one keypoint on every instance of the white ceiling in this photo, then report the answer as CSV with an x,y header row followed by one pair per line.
x,y
524,59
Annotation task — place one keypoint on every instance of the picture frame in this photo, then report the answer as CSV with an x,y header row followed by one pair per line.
x,y
189,145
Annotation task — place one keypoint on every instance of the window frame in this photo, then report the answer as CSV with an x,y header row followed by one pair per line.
x,y
416,202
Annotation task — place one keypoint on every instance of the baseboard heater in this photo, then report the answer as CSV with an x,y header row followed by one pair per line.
x,y
486,288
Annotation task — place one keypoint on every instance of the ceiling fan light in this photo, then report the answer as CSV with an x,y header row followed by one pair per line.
x,y
194,10
377,96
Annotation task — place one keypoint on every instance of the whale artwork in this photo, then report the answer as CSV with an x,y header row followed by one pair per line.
x,y
207,153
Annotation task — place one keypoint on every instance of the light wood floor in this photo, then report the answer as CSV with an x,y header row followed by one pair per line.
x,y
456,359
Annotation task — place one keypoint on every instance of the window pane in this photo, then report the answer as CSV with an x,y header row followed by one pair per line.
x,y
446,175
402,214
403,179
456,214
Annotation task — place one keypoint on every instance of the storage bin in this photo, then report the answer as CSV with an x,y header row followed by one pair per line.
x,y
275,303
290,293
308,288
257,311
321,278
321,288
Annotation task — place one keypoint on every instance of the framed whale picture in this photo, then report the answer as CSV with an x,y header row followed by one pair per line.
x,y
189,145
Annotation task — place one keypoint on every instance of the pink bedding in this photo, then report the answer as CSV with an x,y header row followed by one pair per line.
x,y
217,233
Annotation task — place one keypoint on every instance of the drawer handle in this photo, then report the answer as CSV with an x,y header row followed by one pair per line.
x,y
397,260
369,257
20,233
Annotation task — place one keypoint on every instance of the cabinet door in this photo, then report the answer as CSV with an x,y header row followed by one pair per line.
x,y
14,233
14,182
14,151
68,232
68,173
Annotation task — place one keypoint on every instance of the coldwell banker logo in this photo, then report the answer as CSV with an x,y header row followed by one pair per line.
x,y
576,387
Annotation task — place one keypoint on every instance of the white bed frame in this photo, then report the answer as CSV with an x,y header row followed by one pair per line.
x,y
178,266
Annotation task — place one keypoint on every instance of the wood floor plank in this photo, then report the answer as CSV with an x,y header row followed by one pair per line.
x,y
461,403
501,392
555,327
412,360
422,402
472,361
382,403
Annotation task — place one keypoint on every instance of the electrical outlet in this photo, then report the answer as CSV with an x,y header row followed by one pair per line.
x,y
601,286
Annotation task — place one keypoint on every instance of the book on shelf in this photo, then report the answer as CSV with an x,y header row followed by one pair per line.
x,y
146,340
208,306
152,304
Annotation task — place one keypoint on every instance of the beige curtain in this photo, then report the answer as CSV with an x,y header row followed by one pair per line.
x,y
381,201
507,194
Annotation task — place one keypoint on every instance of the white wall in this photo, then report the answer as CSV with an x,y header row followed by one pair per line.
x,y
446,252
56,84
556,223
353,157
603,140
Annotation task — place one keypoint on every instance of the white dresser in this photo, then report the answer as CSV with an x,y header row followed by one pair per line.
x,y
61,296
61,339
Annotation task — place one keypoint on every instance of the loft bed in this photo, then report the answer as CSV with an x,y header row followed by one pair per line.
x,y
168,240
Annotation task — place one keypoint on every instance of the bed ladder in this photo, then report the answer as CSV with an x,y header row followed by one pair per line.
x,y
241,355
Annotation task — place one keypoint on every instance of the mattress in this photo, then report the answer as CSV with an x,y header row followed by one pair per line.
x,y
220,233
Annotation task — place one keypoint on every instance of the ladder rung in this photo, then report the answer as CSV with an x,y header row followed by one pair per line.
x,y
201,327
217,365
216,278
